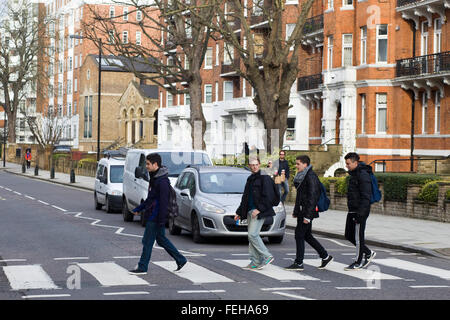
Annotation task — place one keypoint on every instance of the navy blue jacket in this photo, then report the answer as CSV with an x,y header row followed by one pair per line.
x,y
155,206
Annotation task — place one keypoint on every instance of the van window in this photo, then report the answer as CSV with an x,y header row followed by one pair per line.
x,y
99,171
178,161
116,174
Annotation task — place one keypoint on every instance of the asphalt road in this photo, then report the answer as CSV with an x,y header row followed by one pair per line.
x,y
55,245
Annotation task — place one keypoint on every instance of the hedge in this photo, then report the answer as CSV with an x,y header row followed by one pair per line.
x,y
429,192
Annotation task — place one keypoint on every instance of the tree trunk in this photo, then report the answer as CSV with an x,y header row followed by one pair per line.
x,y
12,116
196,112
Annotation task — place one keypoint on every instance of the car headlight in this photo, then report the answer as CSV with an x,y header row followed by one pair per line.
x,y
211,208
116,193
279,208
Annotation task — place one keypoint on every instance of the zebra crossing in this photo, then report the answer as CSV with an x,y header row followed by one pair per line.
x,y
112,274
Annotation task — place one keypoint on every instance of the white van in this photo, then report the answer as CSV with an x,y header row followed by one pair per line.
x,y
136,178
108,184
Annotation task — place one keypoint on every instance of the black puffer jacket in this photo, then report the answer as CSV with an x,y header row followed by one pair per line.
x,y
308,194
360,190
262,191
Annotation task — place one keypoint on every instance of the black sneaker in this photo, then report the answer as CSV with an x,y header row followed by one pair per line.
x,y
137,272
179,266
353,266
368,259
325,262
295,267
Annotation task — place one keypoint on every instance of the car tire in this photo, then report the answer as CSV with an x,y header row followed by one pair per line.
x,y
127,215
108,205
276,240
195,226
98,206
173,229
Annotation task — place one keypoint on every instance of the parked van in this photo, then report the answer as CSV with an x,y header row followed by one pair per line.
x,y
108,184
136,178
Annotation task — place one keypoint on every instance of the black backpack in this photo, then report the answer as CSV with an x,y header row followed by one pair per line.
x,y
172,207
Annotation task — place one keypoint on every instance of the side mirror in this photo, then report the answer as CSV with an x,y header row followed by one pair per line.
x,y
138,173
186,193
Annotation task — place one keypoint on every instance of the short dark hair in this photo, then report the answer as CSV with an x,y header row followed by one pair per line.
x,y
352,155
154,158
304,159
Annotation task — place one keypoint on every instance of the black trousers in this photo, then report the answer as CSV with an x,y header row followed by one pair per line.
x,y
355,233
303,233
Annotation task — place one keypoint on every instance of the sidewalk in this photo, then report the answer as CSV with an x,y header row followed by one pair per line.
x,y
414,235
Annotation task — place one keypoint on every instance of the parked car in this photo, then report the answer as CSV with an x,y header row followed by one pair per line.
x,y
207,200
136,178
62,149
108,184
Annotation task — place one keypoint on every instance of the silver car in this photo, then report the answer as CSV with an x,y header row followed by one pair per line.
x,y
207,200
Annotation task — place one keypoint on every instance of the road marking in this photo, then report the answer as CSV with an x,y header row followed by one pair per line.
x,y
424,287
43,202
64,210
127,257
72,258
111,274
414,267
46,296
125,293
8,189
363,274
335,241
28,277
292,296
14,260
356,288
17,193
273,272
201,291
285,288
193,272
31,198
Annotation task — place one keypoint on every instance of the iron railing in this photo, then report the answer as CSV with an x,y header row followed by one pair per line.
x,y
428,64
309,82
313,24
410,160
401,3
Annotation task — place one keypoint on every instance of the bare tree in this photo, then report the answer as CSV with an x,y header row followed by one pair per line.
x,y
269,61
175,48
46,129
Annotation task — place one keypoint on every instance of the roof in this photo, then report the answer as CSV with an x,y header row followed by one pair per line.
x,y
125,64
149,91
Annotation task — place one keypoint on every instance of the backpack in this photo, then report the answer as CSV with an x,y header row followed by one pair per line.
x,y
376,193
172,207
324,203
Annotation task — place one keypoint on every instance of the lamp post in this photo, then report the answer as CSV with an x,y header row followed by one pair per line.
x,y
4,137
99,89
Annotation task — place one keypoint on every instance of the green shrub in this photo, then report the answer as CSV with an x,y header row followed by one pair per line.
x,y
342,185
326,181
84,161
429,192
447,195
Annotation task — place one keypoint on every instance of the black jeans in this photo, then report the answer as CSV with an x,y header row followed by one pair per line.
x,y
303,233
354,232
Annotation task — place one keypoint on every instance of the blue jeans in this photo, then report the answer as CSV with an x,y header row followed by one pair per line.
x,y
285,186
256,248
154,231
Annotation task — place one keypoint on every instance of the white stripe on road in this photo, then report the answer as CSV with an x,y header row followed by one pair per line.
x,y
64,210
46,296
334,241
193,272
31,198
72,258
28,277
292,296
127,257
424,287
14,260
272,271
356,288
8,189
363,274
125,293
414,267
279,289
17,193
43,202
201,291
111,274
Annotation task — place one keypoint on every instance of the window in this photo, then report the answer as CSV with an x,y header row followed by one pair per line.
x,y
382,42
208,132
169,131
208,93
110,36
347,3
228,54
424,112
69,109
208,58
60,88
257,7
437,118
125,14
111,12
187,99
75,85
289,29
188,26
169,99
69,86
216,92
330,53
330,4
363,59
228,129
87,117
424,39
381,112
75,107
217,54
380,167
227,90
363,113
290,130
186,62
60,110
437,35
138,15
138,38
125,37
347,47
70,63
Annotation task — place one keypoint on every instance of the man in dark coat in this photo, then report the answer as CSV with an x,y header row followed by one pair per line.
x,y
256,205
155,210
308,192
358,202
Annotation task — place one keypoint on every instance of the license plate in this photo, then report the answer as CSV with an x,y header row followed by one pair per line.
x,y
243,222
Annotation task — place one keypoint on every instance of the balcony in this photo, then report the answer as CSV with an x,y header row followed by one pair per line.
x,y
313,32
309,82
414,9
229,70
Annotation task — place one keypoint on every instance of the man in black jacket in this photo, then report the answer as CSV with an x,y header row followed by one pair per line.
x,y
358,202
256,205
308,192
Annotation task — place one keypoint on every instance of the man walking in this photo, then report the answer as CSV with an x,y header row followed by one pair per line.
x,y
256,205
358,202
155,209
282,166
308,192
28,158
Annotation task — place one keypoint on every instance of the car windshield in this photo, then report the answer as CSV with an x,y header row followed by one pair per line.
x,y
223,182
178,161
116,174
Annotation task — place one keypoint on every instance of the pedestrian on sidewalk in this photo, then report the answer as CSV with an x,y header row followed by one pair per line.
x,y
28,158
358,202
155,210
255,207
308,191
282,171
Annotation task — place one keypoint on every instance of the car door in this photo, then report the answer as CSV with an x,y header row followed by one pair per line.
x,y
184,209
99,188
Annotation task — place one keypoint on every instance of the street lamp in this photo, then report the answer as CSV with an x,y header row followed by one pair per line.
x,y
76,36
4,136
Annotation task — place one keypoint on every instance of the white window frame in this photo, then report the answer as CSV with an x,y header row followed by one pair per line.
x,y
138,15
382,37
228,54
209,58
169,95
291,131
437,112
225,92
437,43
112,12
363,113
187,99
424,112
363,57
125,37
330,53
208,93
289,30
346,4
125,14
138,38
379,106
229,131
347,46
330,4
424,38
216,96
217,54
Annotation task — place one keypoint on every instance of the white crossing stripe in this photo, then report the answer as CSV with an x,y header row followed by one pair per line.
x,y
414,267
363,274
273,272
28,277
111,274
292,296
46,296
193,272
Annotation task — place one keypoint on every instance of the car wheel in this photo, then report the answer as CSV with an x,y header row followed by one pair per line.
x,y
98,206
276,240
195,225
173,229
127,215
